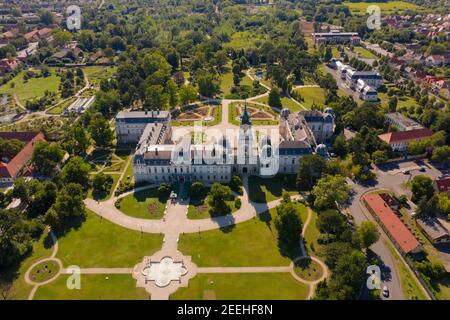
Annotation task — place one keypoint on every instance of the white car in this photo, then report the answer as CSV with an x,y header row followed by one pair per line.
x,y
406,171
385,292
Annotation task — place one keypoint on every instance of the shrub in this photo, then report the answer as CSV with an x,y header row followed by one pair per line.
x,y
237,203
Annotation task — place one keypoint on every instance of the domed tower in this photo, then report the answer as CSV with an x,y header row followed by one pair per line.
x,y
245,143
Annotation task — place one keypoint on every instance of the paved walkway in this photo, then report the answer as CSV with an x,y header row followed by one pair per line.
x,y
179,223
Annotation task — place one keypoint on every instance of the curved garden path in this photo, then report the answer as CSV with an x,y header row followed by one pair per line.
x,y
36,285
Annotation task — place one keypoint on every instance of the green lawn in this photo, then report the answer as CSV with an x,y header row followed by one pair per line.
x,y
364,53
244,40
143,204
249,286
94,287
100,243
97,73
251,243
33,88
285,102
359,8
266,190
312,95
402,101
311,235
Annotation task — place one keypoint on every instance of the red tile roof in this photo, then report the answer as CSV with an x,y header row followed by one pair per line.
x,y
11,169
394,226
443,185
406,136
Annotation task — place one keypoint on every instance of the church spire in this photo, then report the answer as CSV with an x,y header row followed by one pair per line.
x,y
245,118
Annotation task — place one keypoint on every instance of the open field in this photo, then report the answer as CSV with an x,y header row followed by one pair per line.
x,y
33,87
240,286
97,73
244,40
312,96
359,8
285,101
59,109
100,243
364,53
94,287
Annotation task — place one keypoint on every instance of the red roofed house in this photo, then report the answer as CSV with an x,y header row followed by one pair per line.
x,y
442,185
39,34
391,224
7,65
399,140
18,165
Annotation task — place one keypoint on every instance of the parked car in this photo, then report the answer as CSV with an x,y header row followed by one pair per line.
x,y
406,171
422,169
385,292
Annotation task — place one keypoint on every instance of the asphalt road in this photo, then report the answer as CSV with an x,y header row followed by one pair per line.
x,y
389,177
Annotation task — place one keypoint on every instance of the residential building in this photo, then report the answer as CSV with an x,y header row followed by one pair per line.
x,y
18,166
371,78
442,185
401,122
366,92
433,230
391,224
399,140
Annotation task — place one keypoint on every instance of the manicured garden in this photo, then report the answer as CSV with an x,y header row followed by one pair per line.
x,y
251,243
44,271
94,287
144,204
308,269
260,115
285,101
248,286
100,243
265,190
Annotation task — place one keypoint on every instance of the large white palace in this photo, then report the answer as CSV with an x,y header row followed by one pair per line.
x,y
160,159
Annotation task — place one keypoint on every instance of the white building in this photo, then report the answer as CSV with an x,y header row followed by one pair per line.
x,y
130,125
401,122
159,159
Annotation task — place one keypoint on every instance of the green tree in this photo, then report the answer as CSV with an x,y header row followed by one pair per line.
x,y
46,156
274,98
392,105
101,185
69,204
289,228
207,85
101,132
156,98
164,191
310,170
367,234
76,140
187,94
421,187
47,17
330,190
76,171
441,154
218,195
197,190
